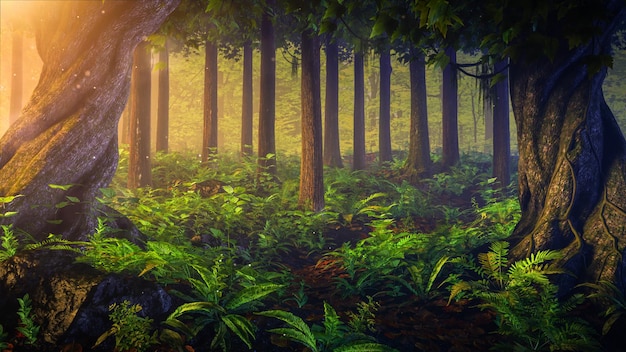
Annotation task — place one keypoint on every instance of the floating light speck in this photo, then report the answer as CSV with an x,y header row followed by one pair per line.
x,y
87,73
78,86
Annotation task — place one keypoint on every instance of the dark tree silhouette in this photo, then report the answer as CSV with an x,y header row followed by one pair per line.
x,y
358,145
163,105
332,150
384,115
450,111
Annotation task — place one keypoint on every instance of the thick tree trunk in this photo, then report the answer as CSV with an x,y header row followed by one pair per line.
x,y
139,164
384,117
358,153
163,107
267,96
572,166
247,101
450,111
501,130
311,194
418,161
209,130
17,74
332,150
67,133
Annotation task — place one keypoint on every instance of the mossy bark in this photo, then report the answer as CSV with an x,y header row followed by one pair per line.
x,y
67,133
572,166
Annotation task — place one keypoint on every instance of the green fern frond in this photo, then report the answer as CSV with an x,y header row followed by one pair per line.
x,y
299,331
252,293
242,327
457,288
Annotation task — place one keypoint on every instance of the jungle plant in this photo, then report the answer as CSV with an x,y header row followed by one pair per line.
x,y
422,276
132,332
299,296
610,297
10,244
3,203
525,301
27,326
213,305
334,335
3,338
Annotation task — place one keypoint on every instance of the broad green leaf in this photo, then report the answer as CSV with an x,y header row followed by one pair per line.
x,y
250,294
241,326
63,187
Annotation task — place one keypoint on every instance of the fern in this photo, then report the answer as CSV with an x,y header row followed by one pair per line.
x,y
297,331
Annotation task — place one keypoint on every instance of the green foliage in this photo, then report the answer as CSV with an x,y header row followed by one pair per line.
x,y
525,301
3,204
211,303
27,326
3,338
132,332
611,298
334,335
10,243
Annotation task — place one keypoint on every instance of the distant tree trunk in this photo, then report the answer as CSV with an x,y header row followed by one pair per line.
x,y
384,118
418,162
358,157
209,130
572,160
247,101
139,165
267,110
67,133
332,150
17,75
450,112
501,130
311,167
163,116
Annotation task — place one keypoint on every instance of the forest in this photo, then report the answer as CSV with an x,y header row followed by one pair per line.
x,y
339,175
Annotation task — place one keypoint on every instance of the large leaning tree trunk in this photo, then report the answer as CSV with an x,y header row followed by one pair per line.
x,y
572,166
67,133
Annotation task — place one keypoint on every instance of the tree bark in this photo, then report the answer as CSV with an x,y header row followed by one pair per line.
x,y
139,164
67,133
418,162
267,96
163,117
450,112
209,130
17,74
572,166
311,194
247,101
358,153
501,130
332,149
384,117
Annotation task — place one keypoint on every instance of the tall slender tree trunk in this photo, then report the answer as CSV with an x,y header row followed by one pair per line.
x,y
358,157
384,116
332,150
163,107
501,130
139,165
572,160
418,162
312,167
209,130
247,101
17,74
67,133
450,111
267,96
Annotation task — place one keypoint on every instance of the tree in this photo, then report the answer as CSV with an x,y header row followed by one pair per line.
x,y
450,111
501,134
162,128
67,133
209,136
358,145
311,193
332,151
247,101
384,115
418,160
17,75
139,165
267,110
